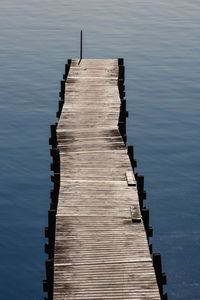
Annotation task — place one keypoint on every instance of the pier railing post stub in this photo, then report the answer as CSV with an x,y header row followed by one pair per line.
x,y
120,61
160,276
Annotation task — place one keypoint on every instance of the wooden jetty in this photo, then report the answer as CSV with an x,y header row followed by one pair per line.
x,y
98,229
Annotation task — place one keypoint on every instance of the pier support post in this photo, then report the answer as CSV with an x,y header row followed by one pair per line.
x,y
62,90
48,282
141,191
53,138
131,157
160,276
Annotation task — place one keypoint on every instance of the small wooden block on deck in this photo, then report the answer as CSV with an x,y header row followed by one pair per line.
x,y
135,214
130,178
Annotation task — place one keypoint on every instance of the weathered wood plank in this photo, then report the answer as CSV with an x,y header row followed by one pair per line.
x,y
107,281
130,178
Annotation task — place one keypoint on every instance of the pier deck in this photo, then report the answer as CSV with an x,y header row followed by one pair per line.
x,y
101,249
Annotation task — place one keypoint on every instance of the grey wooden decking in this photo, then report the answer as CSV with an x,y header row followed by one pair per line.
x,y
99,252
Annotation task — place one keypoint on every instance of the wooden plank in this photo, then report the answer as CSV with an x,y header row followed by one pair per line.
x,y
105,281
130,178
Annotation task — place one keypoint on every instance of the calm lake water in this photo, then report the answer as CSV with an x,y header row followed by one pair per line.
x,y
160,42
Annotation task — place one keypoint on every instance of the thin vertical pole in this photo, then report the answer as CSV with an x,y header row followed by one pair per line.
x,y
81,45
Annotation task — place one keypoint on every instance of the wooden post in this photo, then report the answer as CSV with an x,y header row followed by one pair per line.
x,y
48,282
160,276
150,248
53,138
62,90
54,152
121,88
67,67
145,216
150,231
123,109
69,61
55,178
60,106
122,120
46,232
120,61
158,270
131,157
122,130
51,232
54,198
45,286
122,94
121,74
141,191
49,276
81,45
55,166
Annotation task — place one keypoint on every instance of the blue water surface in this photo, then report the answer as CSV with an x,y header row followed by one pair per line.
x,y
160,42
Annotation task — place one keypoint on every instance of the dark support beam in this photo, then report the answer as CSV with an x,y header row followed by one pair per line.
x,y
160,276
141,191
121,73
62,90
60,106
51,232
67,67
131,157
120,61
53,138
